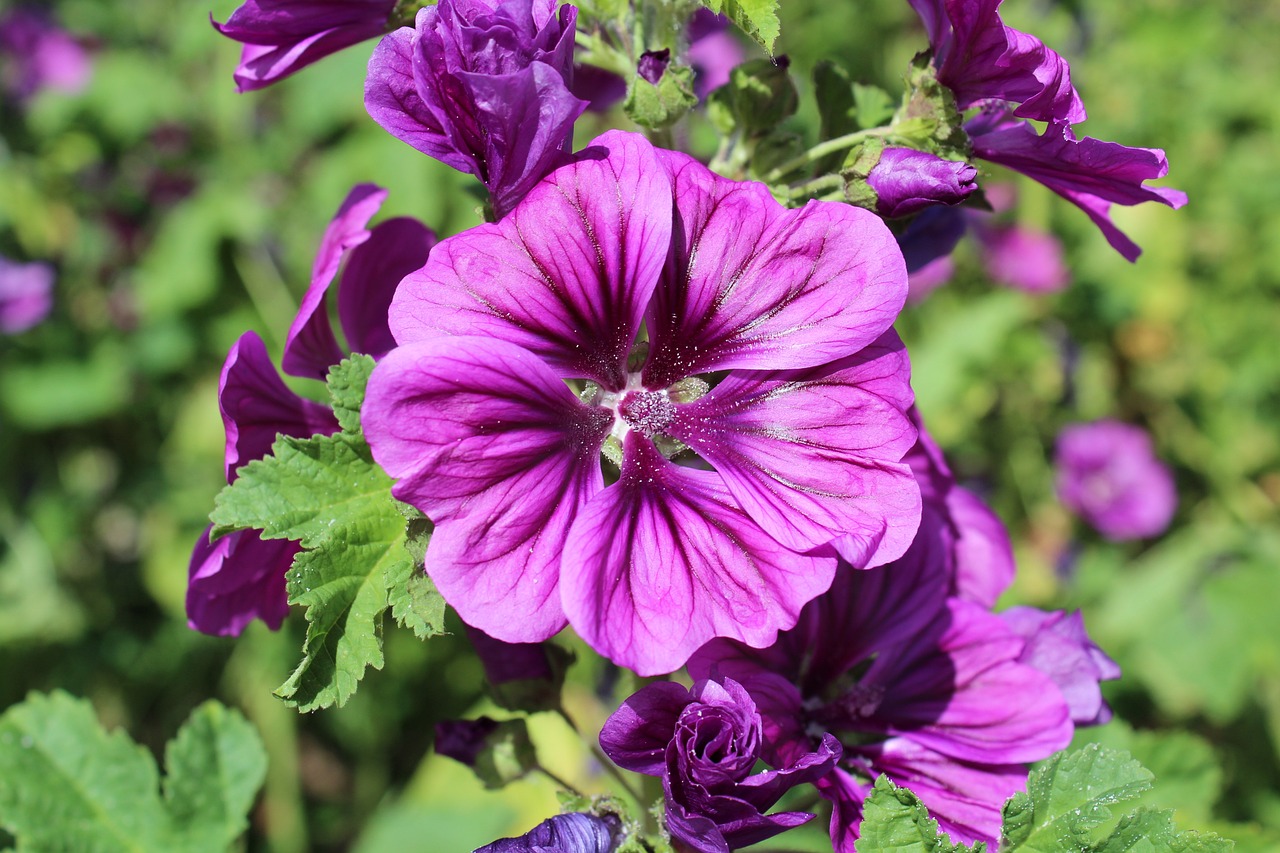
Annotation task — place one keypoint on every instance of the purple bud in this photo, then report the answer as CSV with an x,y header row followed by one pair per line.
x,y
464,740
26,295
653,63
908,181
566,833
1108,474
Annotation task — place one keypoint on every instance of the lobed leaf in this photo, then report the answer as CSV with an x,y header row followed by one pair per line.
x,y
757,18
895,821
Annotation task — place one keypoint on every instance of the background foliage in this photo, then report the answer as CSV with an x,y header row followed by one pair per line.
x,y
179,214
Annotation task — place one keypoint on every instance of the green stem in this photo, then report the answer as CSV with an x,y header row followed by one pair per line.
x,y
563,783
822,149
610,768
826,182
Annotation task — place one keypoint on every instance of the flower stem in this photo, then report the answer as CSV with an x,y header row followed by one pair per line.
x,y
822,149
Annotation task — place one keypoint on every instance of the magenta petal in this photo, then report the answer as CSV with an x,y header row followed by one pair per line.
x,y
394,249
753,285
256,405
237,579
391,98
664,560
814,455
498,452
1058,645
983,555
310,348
566,275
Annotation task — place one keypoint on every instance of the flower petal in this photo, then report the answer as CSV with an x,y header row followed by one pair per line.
x,y
311,349
814,455
394,249
500,455
753,285
664,560
566,275
237,579
636,735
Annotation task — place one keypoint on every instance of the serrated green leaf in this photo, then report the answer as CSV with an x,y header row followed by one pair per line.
x,y
895,821
347,381
415,602
756,18
1153,831
1067,797
66,784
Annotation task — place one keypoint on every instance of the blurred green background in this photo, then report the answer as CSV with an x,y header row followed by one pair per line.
x,y
179,214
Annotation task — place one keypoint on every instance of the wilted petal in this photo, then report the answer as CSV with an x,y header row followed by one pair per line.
x,y
256,405
237,579
813,455
374,269
753,285
497,451
310,348
664,560
566,275
907,181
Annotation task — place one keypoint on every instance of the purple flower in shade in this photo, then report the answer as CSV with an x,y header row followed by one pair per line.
x,y
26,295
907,181
241,576
1109,475
482,86
37,54
713,50
284,36
797,447
978,58
923,687
507,662
464,740
1089,173
704,744
1058,645
567,833
601,89
376,260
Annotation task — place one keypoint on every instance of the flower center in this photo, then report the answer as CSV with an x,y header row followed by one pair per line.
x,y
647,412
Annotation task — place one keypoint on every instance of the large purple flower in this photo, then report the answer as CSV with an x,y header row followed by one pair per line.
x,y
730,501
1089,173
283,36
705,743
979,58
482,86
1109,474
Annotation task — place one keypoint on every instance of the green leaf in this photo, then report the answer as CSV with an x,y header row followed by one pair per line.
x,y
65,784
415,602
1152,831
660,106
757,18
895,821
347,381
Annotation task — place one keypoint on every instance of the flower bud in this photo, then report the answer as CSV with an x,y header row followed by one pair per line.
x,y
907,181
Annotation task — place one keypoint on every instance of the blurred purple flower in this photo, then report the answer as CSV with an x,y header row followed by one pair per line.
x,y
567,833
1058,645
979,58
704,744
37,54
482,86
284,36
601,89
26,294
907,181
376,260
1022,258
801,438
713,51
1089,173
241,576
1109,475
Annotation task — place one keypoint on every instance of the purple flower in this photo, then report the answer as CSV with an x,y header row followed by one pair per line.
x,y
284,36
979,58
730,502
1109,475
1022,258
713,50
482,86
704,744
36,54
26,295
464,740
567,833
1058,645
907,181
1089,173
376,260
920,686
653,64
601,89
241,576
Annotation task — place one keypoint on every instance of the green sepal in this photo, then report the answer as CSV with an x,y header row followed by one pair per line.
x,y
928,119
858,164
507,755
659,106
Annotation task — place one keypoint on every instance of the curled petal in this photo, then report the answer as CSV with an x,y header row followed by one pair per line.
x,y
813,455
256,405
237,579
566,275
394,249
664,560
565,833
636,735
752,285
497,451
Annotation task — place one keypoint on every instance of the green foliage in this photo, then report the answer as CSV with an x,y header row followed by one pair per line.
x,y
757,18
662,105
66,784
507,755
895,821
757,98
327,493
